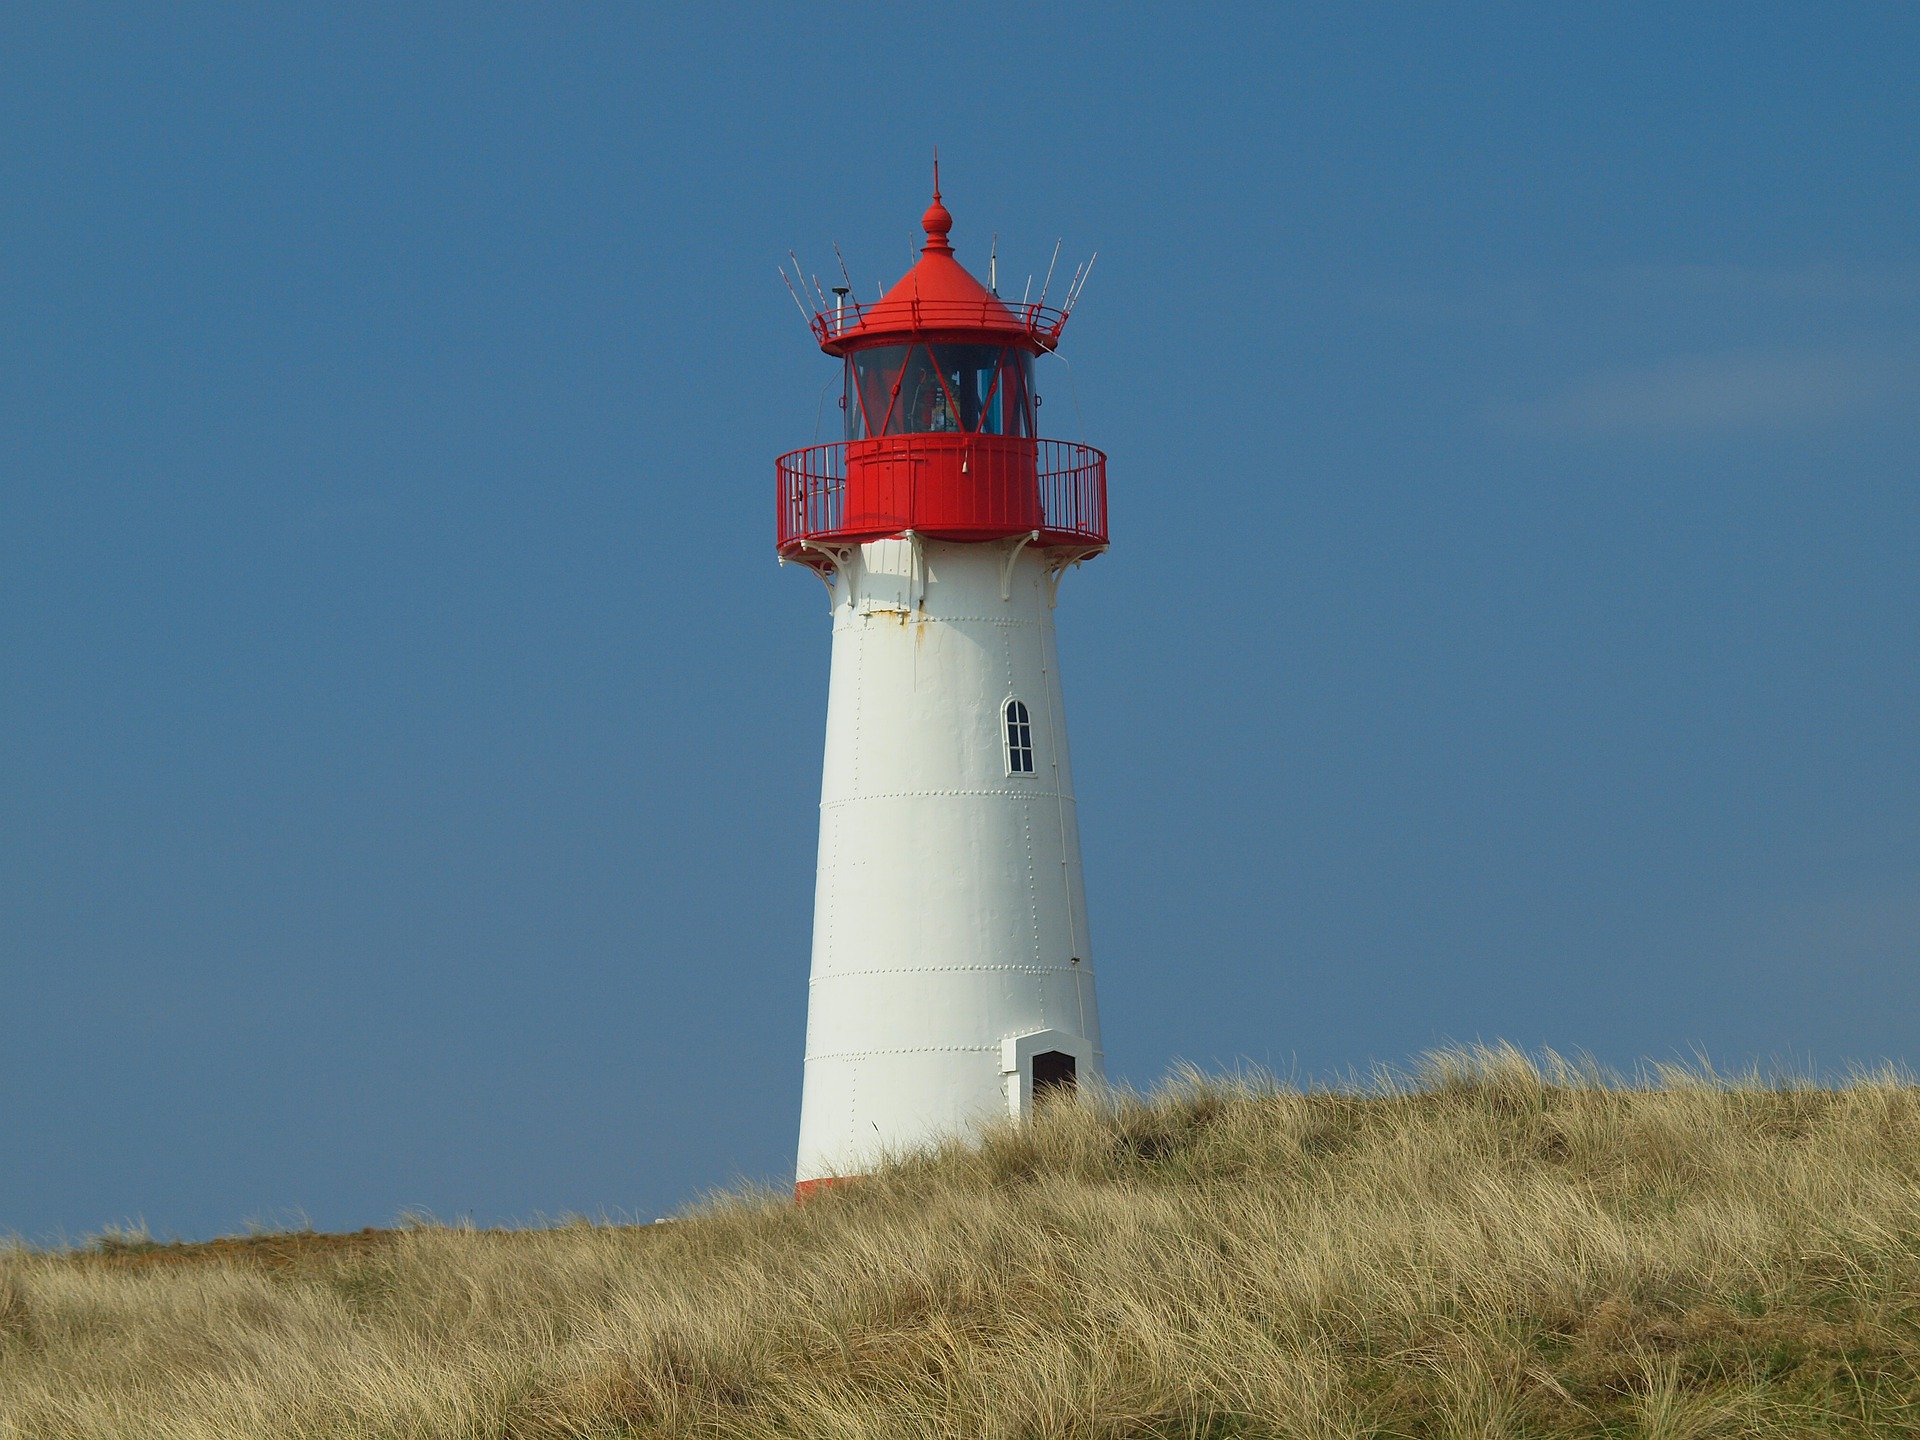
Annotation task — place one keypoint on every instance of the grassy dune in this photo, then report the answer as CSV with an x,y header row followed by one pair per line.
x,y
1489,1248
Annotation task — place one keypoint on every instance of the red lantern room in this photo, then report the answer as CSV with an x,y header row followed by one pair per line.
x,y
942,438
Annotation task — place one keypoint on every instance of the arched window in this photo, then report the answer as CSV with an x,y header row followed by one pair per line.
x,y
1019,738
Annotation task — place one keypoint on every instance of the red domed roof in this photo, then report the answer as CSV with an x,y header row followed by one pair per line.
x,y
938,295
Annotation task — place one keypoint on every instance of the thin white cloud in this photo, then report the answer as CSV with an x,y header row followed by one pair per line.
x,y
1733,293
1874,287
1736,391
1864,930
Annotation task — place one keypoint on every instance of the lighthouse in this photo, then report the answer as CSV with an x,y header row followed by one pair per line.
x,y
952,976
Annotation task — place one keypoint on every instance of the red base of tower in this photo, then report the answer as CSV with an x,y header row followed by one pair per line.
x,y
805,1190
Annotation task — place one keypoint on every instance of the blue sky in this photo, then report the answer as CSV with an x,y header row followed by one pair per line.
x,y
409,747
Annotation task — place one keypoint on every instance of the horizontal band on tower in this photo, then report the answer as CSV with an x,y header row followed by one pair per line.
x,y
921,617
1010,792
1084,967
910,1050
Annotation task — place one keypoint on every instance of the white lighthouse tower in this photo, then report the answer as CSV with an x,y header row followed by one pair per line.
x,y
952,971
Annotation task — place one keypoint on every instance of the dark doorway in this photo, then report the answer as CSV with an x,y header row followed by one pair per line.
x,y
1053,1076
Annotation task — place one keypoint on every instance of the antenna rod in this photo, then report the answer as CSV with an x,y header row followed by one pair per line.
x,y
796,296
993,265
1073,296
843,266
1050,264
797,271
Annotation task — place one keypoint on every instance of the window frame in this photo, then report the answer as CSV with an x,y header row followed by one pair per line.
x,y
1017,417
1016,737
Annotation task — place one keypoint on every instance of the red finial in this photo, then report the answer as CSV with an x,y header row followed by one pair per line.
x,y
937,221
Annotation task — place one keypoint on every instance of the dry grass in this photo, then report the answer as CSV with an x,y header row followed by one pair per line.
x,y
1496,1247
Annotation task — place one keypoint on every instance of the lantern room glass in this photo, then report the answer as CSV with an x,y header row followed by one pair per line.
x,y
924,389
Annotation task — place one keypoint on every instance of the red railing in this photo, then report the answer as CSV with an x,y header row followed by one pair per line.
x,y
911,482
1042,323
